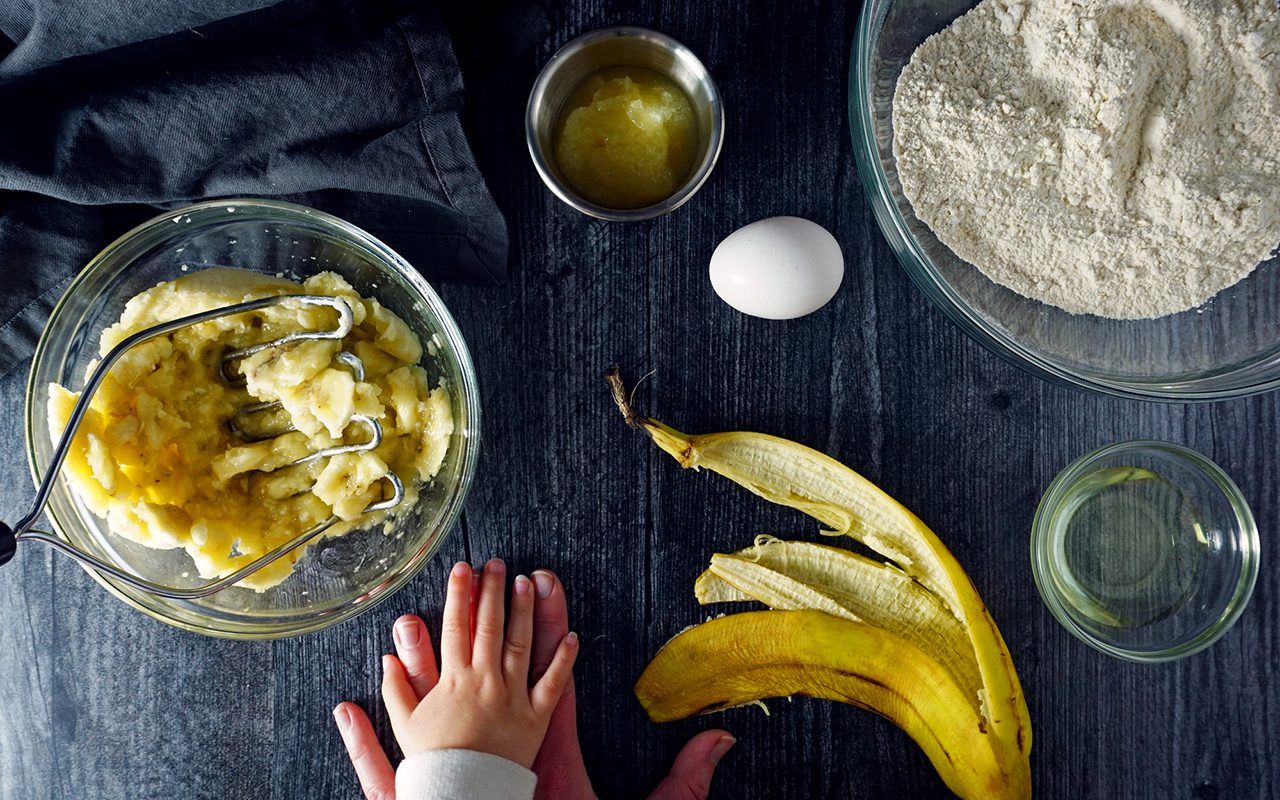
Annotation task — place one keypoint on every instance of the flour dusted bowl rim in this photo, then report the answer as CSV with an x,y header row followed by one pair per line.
x,y
1229,347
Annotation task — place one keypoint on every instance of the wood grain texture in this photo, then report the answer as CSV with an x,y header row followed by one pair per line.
x,y
98,701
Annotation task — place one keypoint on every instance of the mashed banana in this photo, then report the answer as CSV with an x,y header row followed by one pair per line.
x,y
156,455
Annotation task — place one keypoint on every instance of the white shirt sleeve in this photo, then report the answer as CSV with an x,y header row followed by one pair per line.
x,y
462,775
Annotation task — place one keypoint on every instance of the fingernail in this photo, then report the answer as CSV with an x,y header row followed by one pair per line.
x,y
342,716
571,639
545,584
521,585
496,566
460,569
721,747
386,663
407,633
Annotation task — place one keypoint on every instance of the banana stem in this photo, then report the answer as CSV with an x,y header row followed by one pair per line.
x,y
634,418
681,447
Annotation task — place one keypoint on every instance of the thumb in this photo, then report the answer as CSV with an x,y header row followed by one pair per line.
x,y
690,777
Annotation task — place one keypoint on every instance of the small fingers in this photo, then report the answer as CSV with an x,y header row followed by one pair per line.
x,y
515,652
413,648
455,623
474,605
489,629
398,695
376,775
547,691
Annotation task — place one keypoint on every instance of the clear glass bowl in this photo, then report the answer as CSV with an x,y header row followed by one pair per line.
x,y
337,578
1229,347
1145,550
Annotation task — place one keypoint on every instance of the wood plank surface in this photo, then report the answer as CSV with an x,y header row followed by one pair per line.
x,y
97,701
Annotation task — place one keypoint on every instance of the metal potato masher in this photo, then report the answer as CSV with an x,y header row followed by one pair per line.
x,y
23,530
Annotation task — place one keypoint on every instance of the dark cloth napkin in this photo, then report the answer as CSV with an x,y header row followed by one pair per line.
x,y
112,110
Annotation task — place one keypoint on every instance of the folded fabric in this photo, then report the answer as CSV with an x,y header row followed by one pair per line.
x,y
117,109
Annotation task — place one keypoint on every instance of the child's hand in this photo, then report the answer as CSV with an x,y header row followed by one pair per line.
x,y
561,774
482,700
479,698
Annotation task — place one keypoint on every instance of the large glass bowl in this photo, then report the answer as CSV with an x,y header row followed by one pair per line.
x,y
337,578
1228,347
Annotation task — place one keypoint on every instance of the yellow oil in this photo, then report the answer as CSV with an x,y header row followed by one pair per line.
x,y
1129,548
626,138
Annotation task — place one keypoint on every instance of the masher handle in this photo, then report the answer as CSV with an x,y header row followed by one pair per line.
x,y
8,543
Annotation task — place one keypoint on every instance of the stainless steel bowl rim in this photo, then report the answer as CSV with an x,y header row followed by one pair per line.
x,y
537,98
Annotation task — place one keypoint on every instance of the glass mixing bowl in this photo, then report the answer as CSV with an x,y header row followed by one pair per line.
x,y
337,578
1145,550
1228,347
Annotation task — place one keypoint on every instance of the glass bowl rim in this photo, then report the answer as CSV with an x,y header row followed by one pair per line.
x,y
919,268
1244,532
278,210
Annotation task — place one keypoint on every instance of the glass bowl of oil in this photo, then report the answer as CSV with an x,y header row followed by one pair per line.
x,y
1145,550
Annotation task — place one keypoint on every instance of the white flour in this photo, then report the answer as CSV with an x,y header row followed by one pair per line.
x,y
1107,157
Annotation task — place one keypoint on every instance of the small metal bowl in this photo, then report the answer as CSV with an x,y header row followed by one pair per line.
x,y
629,47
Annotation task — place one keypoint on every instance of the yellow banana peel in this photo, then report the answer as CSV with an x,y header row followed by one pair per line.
x,y
793,475
804,575
742,658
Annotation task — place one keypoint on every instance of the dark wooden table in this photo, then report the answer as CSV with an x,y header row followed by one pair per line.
x,y
97,701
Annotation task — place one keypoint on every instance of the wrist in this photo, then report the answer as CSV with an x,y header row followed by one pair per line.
x,y
462,773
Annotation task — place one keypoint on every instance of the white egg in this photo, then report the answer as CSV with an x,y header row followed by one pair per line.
x,y
778,268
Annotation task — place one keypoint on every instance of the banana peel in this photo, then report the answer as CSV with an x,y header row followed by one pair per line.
x,y
803,575
743,658
793,475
